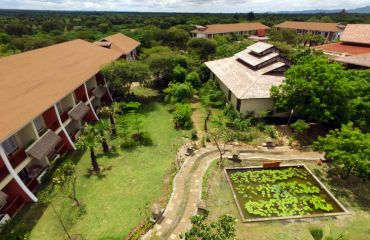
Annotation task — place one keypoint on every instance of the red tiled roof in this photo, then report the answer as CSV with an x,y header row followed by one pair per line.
x,y
343,49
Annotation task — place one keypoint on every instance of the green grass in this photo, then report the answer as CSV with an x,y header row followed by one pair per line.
x,y
114,199
353,194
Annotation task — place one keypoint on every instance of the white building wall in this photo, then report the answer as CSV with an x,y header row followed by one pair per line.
x,y
256,106
201,35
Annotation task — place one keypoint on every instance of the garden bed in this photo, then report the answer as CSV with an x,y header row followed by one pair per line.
x,y
287,192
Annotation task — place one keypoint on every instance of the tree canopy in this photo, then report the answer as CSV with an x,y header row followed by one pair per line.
x,y
122,74
349,149
325,92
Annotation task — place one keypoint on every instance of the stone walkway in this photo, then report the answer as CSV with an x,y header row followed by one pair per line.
x,y
187,185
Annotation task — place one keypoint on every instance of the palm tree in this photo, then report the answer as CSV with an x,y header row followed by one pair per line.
x,y
89,140
112,110
101,128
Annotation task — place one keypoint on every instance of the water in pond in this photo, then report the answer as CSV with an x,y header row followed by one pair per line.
x,y
281,192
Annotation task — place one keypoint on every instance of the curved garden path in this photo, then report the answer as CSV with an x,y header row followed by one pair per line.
x,y
187,185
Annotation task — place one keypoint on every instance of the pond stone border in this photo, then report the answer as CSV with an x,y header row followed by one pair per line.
x,y
263,219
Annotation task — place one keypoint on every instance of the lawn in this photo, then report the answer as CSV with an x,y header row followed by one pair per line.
x,y
352,193
115,199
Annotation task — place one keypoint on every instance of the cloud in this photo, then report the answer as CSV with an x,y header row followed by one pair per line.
x,y
182,5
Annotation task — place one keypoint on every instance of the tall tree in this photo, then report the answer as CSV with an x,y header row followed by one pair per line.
x,y
112,111
122,74
203,47
90,140
65,179
349,149
102,128
222,136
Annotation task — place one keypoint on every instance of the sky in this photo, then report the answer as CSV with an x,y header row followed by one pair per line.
x,y
225,6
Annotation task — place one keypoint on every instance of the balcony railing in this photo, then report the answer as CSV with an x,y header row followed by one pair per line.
x,y
17,157
64,116
54,126
12,206
32,184
90,92
3,173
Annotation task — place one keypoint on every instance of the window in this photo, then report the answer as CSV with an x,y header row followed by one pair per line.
x,y
39,124
229,96
60,108
10,145
238,103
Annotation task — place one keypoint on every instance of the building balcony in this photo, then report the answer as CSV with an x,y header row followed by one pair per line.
x,y
91,92
64,116
3,173
17,157
13,204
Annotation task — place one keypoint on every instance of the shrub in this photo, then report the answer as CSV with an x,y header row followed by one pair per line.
x,y
194,135
230,112
178,92
241,124
260,126
146,139
245,137
178,74
182,116
13,232
193,79
203,141
270,130
129,144
300,126
211,95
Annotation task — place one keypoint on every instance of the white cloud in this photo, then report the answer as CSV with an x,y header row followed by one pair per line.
x,y
183,5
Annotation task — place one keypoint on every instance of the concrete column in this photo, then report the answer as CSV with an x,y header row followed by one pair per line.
x,y
89,102
15,175
35,130
107,86
63,128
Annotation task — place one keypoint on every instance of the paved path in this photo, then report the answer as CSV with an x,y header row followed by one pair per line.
x,y
187,186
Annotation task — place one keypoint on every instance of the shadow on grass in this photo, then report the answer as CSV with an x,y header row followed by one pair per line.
x,y
355,190
113,153
101,175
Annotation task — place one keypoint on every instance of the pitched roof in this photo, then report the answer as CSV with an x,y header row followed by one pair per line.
x,y
245,82
362,60
260,47
343,49
121,43
232,27
33,81
356,33
246,57
313,26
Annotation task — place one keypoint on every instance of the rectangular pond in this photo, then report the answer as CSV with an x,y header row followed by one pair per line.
x,y
286,192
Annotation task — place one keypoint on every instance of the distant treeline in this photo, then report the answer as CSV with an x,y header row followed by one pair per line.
x,y
22,30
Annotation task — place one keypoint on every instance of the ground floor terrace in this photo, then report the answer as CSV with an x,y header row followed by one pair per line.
x,y
29,153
